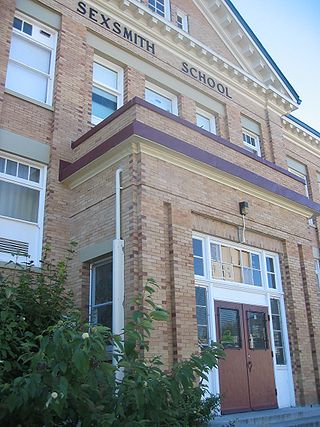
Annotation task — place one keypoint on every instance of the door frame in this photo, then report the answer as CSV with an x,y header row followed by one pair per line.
x,y
252,295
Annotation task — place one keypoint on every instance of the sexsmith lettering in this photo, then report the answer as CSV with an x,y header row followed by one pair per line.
x,y
115,26
205,79
105,21
81,8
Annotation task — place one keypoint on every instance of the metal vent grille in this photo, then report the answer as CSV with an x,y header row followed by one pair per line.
x,y
14,247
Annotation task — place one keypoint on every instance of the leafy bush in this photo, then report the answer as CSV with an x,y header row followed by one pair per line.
x,y
55,371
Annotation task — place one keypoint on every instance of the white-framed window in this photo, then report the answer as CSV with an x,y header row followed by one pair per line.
x,y
206,121
226,262
21,209
107,89
161,7
100,308
182,21
31,63
161,98
300,170
251,142
277,328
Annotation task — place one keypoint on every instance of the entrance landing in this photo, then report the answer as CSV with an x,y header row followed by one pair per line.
x,y
307,416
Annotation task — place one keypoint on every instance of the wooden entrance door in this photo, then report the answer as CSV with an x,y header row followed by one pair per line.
x,y
246,375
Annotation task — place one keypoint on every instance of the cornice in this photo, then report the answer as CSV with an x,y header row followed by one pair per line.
x,y
301,136
178,42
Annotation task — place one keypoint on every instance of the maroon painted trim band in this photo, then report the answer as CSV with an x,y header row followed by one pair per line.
x,y
168,141
184,122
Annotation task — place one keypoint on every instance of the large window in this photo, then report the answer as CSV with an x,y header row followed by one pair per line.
x,y
206,121
21,208
31,63
224,262
101,293
107,89
161,98
161,7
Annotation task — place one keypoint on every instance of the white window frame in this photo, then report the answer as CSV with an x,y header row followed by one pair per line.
x,y
38,40
184,21
164,93
166,5
256,149
118,93
317,271
36,226
208,116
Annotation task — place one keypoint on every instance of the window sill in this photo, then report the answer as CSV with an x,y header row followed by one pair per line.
x,y
26,98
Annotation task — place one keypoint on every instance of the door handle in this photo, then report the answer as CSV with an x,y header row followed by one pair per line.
x,y
249,365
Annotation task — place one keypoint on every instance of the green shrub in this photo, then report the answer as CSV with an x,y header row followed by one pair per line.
x,y
55,371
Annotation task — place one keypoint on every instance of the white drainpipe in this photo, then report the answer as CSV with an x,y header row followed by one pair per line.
x,y
118,266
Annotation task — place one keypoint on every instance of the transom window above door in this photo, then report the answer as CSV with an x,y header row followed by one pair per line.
x,y
226,262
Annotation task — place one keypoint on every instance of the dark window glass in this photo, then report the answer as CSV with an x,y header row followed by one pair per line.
x,y
27,28
23,171
255,261
274,306
2,164
102,315
17,23
271,281
198,266
257,330
101,310
270,265
34,174
11,168
197,247
229,328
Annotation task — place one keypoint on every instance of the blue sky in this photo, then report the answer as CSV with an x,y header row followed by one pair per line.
x,y
290,32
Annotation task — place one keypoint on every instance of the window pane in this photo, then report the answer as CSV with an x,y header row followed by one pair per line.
x,y
23,171
203,122
103,103
103,283
159,100
255,261
203,334
280,359
34,174
247,276
102,315
275,306
11,168
276,322
272,281
256,277
27,28
19,202
197,247
201,315
105,76
17,23
31,54
270,264
27,82
215,252
201,296
198,266
257,330
229,328
2,164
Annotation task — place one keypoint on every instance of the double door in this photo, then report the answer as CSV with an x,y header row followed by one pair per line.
x,y
246,374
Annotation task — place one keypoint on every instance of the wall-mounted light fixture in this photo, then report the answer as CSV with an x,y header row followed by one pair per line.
x,y
244,208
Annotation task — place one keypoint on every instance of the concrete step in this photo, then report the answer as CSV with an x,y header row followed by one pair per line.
x,y
286,417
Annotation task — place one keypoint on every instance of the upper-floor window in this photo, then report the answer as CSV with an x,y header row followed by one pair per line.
x,y
21,208
251,142
206,121
161,98
300,170
107,89
31,63
317,270
251,135
182,21
161,7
